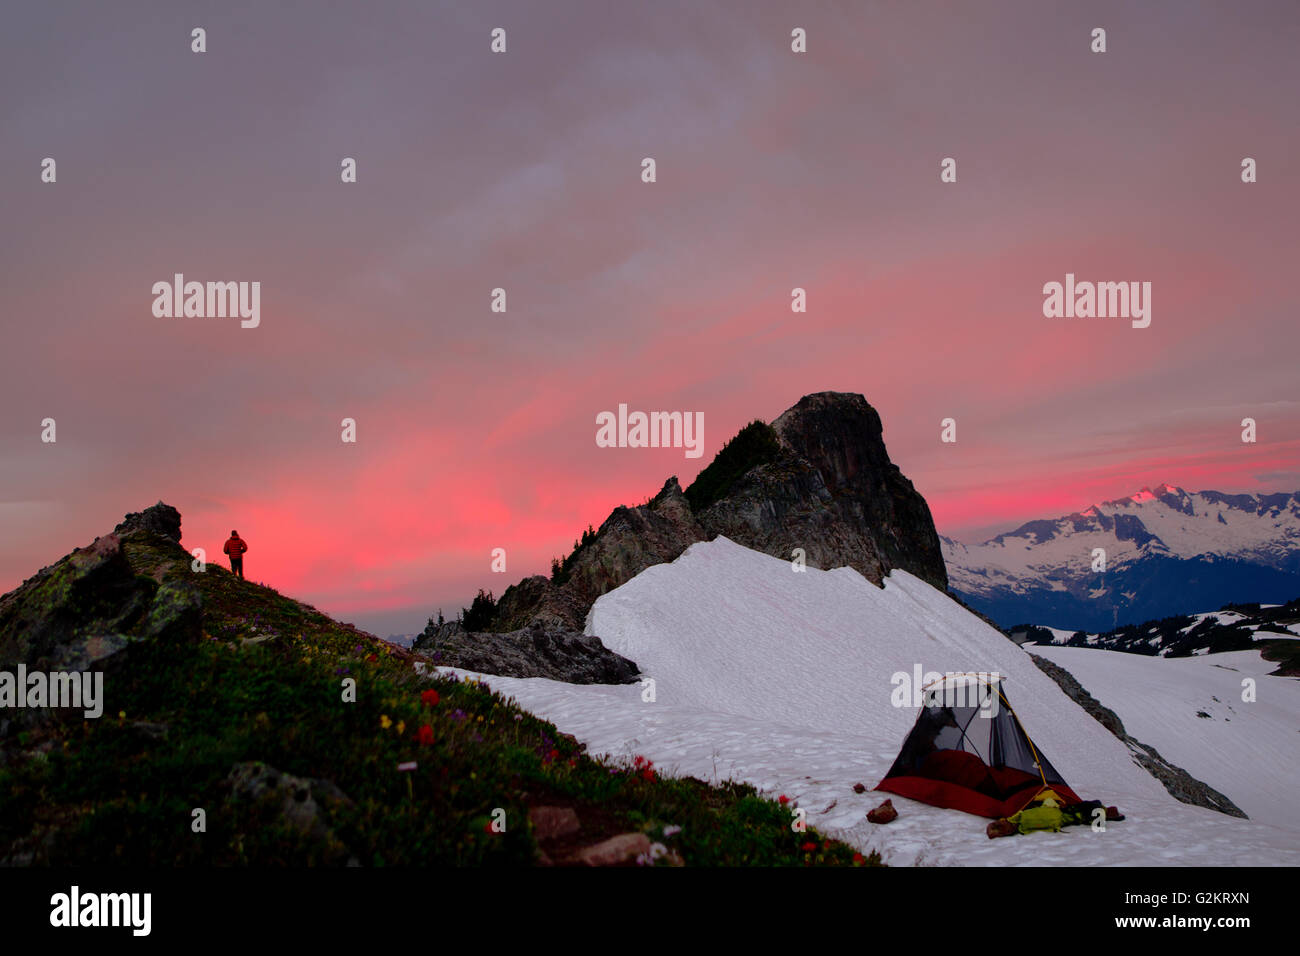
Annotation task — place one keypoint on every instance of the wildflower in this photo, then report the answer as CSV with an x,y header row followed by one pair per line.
x,y
859,859
384,722
657,850
429,697
408,765
401,727
425,735
809,847
671,831
458,715
372,658
783,799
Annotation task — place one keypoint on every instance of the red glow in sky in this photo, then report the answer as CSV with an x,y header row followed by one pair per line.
x,y
475,429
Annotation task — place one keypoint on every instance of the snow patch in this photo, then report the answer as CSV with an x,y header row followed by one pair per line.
x,y
783,680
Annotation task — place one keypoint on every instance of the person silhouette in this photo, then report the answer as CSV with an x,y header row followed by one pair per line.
x,y
235,547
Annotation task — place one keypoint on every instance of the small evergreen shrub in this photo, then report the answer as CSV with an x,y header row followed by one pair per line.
x,y
755,444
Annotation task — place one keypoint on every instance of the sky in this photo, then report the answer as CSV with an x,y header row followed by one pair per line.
x,y
522,170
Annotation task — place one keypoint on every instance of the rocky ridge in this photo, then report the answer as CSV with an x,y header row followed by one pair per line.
x,y
820,483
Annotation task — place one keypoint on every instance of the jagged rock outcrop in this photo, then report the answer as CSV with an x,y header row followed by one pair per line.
x,y
1181,785
89,606
160,519
834,493
630,540
86,611
538,650
825,485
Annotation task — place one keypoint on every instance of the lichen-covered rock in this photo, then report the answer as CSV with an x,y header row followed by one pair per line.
x,y
76,612
84,610
176,613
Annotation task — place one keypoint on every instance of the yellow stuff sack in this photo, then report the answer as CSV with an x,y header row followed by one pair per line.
x,y
1039,818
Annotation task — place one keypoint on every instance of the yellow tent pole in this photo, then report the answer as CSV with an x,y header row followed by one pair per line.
x,y
1038,762
1030,740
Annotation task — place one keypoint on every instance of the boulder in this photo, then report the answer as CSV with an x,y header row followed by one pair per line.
x,y
161,519
541,649
552,823
298,803
621,849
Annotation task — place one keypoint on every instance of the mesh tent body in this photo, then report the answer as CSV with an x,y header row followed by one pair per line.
x,y
967,751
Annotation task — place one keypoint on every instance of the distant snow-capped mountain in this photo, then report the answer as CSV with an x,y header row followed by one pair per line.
x,y
1166,551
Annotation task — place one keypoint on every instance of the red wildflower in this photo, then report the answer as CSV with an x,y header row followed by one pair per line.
x,y
859,859
425,735
553,755
809,847
372,658
783,799
429,697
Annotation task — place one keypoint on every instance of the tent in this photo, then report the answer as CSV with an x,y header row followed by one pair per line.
x,y
968,751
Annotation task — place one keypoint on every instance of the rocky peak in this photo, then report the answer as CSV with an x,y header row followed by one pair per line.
x,y
879,521
826,486
160,519
840,435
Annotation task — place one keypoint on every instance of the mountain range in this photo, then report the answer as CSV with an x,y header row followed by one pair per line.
x,y
1166,552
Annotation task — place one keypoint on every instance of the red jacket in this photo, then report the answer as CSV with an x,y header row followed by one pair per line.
x,y
235,546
